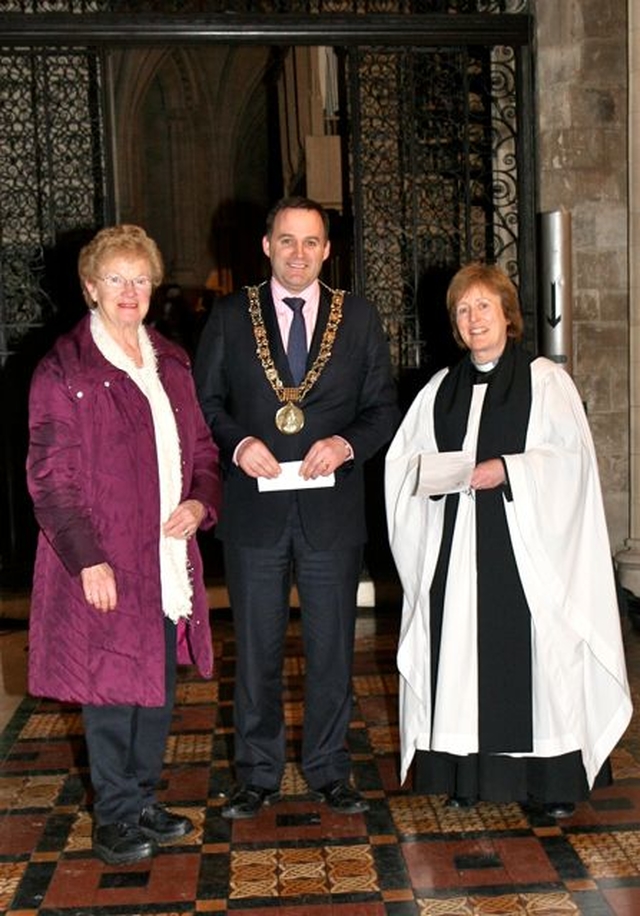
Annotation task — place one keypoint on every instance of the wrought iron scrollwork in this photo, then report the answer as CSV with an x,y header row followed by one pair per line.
x,y
51,181
436,175
362,7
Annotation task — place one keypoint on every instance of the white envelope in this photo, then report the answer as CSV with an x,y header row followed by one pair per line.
x,y
444,472
290,479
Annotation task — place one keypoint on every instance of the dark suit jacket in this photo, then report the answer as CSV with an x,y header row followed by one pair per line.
x,y
355,398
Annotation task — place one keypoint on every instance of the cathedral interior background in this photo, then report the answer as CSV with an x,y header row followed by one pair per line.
x,y
411,121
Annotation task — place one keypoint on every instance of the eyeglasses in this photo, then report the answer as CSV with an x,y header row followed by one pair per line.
x,y
115,281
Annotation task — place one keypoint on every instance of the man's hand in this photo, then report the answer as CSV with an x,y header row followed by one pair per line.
x,y
255,459
323,458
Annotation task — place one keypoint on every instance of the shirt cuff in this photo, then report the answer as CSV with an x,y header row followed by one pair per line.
x,y
234,457
347,448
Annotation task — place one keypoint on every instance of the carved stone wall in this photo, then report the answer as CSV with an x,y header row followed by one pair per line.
x,y
582,127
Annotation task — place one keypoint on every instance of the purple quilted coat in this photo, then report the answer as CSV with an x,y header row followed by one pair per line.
x,y
93,477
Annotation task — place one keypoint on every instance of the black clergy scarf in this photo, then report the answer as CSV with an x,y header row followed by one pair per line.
x,y
504,622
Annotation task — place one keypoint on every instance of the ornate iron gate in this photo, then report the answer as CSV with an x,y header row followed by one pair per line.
x,y
438,168
438,115
52,173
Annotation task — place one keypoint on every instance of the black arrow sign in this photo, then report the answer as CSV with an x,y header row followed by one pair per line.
x,y
553,318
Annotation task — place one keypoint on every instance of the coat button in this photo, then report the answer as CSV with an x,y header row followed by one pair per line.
x,y
79,394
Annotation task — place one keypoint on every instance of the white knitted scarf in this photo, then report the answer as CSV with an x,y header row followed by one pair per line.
x,y
177,589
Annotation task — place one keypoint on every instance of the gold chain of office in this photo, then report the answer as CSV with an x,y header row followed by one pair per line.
x,y
290,418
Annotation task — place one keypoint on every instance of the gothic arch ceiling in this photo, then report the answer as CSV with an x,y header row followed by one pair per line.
x,y
185,124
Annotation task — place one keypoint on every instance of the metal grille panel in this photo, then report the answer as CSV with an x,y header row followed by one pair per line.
x,y
361,7
443,121
51,179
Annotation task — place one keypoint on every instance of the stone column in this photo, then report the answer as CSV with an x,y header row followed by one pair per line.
x,y
629,559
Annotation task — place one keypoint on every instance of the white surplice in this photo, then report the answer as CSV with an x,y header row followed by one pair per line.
x,y
556,520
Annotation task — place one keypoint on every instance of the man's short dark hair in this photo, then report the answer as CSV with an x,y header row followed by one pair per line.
x,y
297,203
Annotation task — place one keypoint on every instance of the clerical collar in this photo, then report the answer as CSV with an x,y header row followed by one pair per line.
x,y
485,367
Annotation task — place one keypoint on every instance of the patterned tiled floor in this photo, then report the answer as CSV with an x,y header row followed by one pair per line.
x,y
408,856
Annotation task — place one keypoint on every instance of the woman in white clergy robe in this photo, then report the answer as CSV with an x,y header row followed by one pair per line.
x,y
513,684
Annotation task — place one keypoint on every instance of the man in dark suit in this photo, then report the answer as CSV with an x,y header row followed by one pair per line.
x,y
294,379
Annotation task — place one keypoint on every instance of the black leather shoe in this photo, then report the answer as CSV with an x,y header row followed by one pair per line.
x,y
121,844
559,809
462,802
163,826
247,800
341,797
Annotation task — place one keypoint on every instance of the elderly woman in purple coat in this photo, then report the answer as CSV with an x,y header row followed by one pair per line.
x,y
122,471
